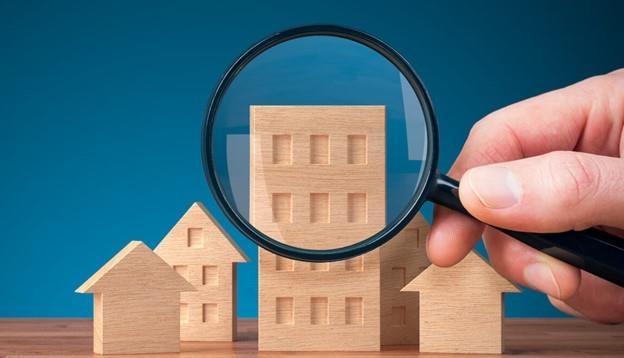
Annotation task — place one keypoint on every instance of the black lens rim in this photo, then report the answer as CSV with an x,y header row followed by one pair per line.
x,y
345,252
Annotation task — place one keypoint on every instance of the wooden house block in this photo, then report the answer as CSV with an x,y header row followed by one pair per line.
x,y
201,251
402,259
136,307
317,180
461,307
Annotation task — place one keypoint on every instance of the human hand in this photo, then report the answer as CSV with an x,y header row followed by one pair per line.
x,y
551,163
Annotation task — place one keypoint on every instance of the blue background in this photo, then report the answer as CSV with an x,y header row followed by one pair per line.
x,y
101,106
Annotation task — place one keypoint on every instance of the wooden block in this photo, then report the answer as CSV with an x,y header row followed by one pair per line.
x,y
327,190
136,303
199,249
316,182
402,259
461,307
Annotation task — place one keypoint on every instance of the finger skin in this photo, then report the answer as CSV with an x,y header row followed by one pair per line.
x,y
564,307
558,191
578,293
511,258
585,117
455,236
598,300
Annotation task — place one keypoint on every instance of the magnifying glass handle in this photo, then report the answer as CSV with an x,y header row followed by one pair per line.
x,y
592,250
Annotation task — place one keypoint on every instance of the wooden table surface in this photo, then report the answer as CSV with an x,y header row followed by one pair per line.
x,y
523,338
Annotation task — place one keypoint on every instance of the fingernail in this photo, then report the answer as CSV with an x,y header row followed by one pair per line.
x,y
496,187
540,276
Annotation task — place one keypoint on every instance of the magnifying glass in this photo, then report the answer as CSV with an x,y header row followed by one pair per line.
x,y
320,144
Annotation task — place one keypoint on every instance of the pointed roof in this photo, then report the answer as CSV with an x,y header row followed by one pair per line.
x,y
473,271
135,267
198,213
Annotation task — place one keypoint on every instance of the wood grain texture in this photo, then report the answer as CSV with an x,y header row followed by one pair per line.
x,y
461,307
552,338
198,249
311,189
402,259
136,303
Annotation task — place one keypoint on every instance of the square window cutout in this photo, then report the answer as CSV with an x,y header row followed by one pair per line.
x,y
195,238
282,149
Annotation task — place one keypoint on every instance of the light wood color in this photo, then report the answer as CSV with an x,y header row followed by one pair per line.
x,y
136,303
317,180
551,338
202,252
461,307
402,259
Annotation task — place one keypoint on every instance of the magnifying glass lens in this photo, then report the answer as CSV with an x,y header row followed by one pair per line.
x,y
320,142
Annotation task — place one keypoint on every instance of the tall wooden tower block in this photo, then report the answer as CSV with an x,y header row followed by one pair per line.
x,y
461,307
136,299
200,251
318,180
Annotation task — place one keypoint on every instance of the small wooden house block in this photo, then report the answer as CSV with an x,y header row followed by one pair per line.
x,y
136,299
402,259
461,307
200,251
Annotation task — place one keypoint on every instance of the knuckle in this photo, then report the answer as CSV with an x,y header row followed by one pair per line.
x,y
480,127
614,82
616,75
486,125
573,177
609,84
496,141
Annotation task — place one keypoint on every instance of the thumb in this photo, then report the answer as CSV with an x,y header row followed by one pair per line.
x,y
554,192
